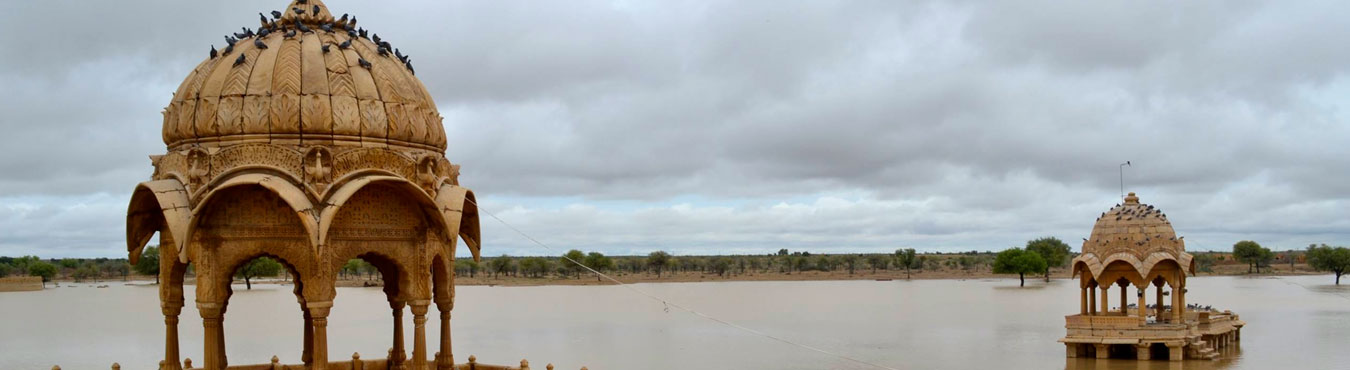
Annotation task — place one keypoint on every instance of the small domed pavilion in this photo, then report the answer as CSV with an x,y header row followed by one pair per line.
x,y
309,141
1133,244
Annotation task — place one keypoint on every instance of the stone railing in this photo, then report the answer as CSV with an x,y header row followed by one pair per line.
x,y
1103,321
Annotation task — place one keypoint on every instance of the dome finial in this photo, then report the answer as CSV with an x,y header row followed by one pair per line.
x,y
1131,199
313,12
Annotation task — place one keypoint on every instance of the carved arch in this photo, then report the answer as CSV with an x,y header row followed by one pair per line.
x,y
154,206
339,196
459,207
287,191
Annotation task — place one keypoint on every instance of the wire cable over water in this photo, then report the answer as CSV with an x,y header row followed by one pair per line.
x,y
667,303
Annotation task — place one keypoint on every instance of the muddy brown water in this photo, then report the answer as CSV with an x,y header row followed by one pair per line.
x,y
1300,322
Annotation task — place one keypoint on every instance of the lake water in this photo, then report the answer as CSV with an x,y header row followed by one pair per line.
x,y
1292,322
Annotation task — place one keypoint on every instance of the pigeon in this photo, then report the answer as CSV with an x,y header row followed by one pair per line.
x,y
302,27
386,45
351,33
263,32
342,20
213,52
345,44
228,49
276,14
383,52
352,23
325,48
302,1
400,55
327,27
376,38
240,60
410,68
259,44
316,10
362,33
229,41
290,34
262,19
298,10
363,62
238,35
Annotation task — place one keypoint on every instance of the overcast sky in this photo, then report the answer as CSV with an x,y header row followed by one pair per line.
x,y
749,126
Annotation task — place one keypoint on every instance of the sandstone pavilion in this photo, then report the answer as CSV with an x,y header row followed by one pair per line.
x,y
310,141
1134,247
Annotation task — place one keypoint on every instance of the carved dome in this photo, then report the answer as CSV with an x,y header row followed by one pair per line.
x,y
1136,233
1133,227
305,88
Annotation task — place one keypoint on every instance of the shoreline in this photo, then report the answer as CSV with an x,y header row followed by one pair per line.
x,y
482,279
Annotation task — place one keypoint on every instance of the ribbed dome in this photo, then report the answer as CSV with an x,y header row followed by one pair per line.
x,y
287,89
1133,227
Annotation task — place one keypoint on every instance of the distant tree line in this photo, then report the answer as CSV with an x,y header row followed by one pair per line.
x,y
662,263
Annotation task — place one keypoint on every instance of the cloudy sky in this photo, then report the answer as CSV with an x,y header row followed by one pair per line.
x,y
749,126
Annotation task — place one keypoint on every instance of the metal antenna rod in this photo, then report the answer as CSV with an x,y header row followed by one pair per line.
x,y
1122,178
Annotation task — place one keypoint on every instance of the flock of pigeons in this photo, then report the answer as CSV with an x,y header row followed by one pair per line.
x,y
275,25
1131,213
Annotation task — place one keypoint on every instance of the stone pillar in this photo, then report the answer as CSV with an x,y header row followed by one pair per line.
x,y
212,356
1177,307
1092,300
1124,299
1083,301
444,359
419,311
397,354
1071,350
307,354
318,312
171,311
1176,352
1103,350
1106,308
1143,305
1159,311
1141,352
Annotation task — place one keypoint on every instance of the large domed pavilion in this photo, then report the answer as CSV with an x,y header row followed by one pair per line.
x,y
309,141
1133,244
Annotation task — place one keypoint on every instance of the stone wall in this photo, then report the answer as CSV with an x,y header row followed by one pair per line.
x,y
20,283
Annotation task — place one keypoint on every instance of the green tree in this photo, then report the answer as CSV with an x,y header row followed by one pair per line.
x,y
877,261
6,269
468,265
905,258
148,264
571,262
43,269
720,265
352,267
658,260
501,265
1204,262
258,267
850,262
1327,258
598,262
68,266
1052,250
1020,262
1248,252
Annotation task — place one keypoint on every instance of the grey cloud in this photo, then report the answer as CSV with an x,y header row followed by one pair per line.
x,y
950,124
